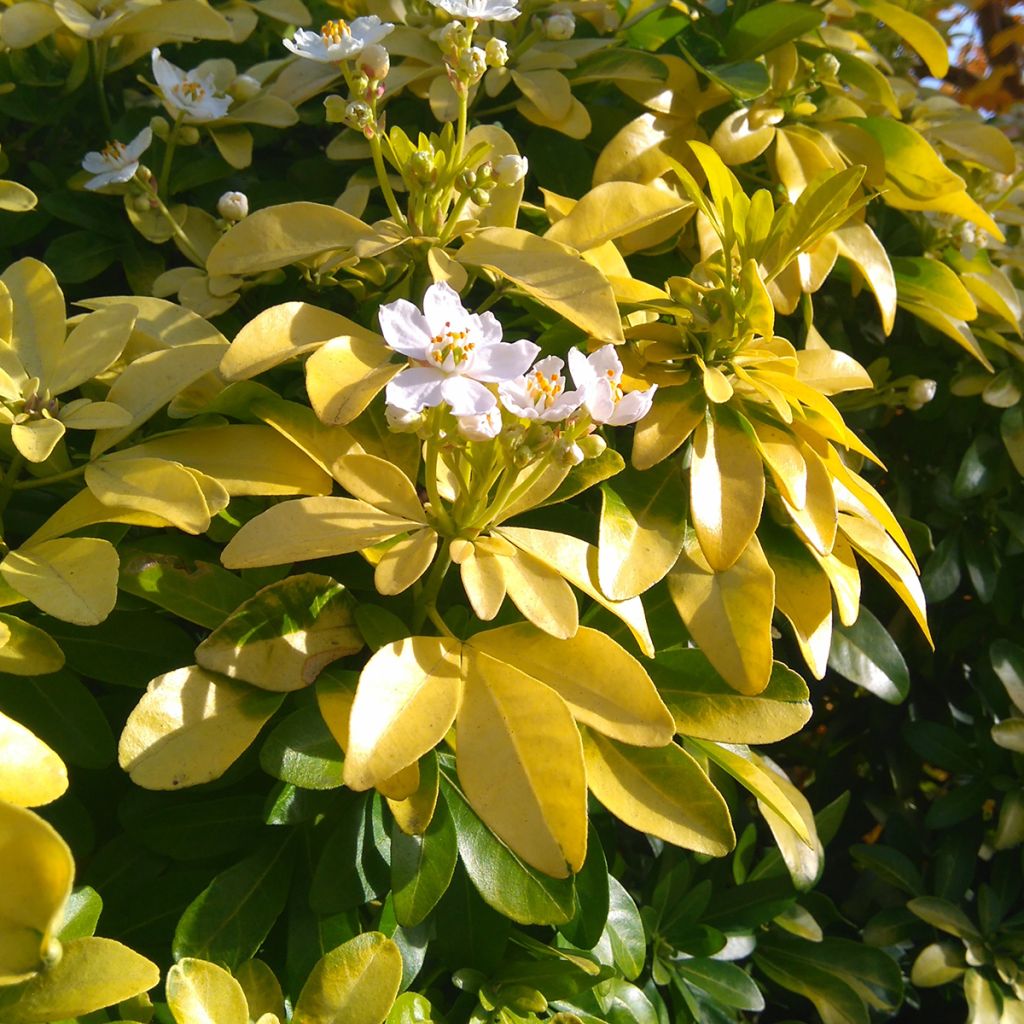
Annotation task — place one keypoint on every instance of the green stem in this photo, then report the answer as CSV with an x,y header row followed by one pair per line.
x,y
169,147
183,239
430,472
509,493
453,219
426,602
382,176
98,55
70,474
10,479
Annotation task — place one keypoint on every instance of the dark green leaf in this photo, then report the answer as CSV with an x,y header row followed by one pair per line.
x,y
301,750
865,654
422,866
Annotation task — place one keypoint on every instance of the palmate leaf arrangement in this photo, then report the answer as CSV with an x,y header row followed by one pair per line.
x,y
493,385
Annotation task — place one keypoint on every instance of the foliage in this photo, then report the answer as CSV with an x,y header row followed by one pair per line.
x,y
437,621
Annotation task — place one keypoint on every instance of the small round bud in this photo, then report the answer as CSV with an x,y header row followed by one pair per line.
x,y
358,114
920,393
496,52
244,87
568,452
473,64
233,205
480,196
53,953
467,181
483,427
804,108
401,421
453,38
511,169
375,62
559,27
159,126
826,67
188,135
592,445
485,175
360,84
421,167
141,203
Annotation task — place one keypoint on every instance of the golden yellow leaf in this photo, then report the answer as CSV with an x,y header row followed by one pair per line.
x,y
74,579
37,335
190,726
844,578
605,687
306,528
94,343
199,992
344,375
817,520
26,650
781,454
407,698
540,593
831,371
379,483
31,774
36,439
860,245
738,140
672,419
414,812
405,562
661,791
37,868
729,613
262,990
547,90
520,763
483,579
726,489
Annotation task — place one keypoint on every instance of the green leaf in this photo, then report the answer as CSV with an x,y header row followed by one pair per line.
x,y
360,842
228,921
422,866
890,865
762,29
81,914
623,943
705,706
865,654
592,897
727,984
1008,662
468,931
502,879
302,751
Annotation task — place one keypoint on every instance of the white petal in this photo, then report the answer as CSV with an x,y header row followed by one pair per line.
x,y
139,144
632,407
466,396
600,402
416,388
485,328
562,407
606,359
95,163
441,305
111,177
166,74
515,397
504,360
405,329
583,375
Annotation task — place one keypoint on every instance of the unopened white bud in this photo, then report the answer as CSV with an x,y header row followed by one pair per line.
x,y
559,27
473,63
375,62
592,445
482,427
920,393
244,87
496,52
569,453
401,421
511,169
233,205
453,38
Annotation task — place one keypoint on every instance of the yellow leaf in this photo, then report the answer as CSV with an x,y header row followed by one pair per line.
x,y
262,990
661,791
381,484
36,439
190,726
283,637
737,140
37,868
335,692
548,91
576,124
405,561
726,489
860,245
176,19
94,343
817,519
38,327
285,332
160,324
672,419
306,528
520,763
345,375
831,371
234,144
577,561
844,578
483,580
356,983
162,488
407,698
71,579
279,235
92,973
644,148
503,209
605,687
85,509
16,198
540,593
25,24
781,454
413,813
31,774
199,992
913,29
611,210
729,613
26,650
324,444
553,274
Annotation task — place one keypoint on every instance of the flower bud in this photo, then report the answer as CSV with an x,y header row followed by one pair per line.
x,y
244,87
496,52
473,64
559,27
826,67
804,108
511,169
569,453
592,445
453,38
483,427
467,181
920,393
188,135
421,167
480,196
358,114
142,203
160,127
401,421
233,205
375,62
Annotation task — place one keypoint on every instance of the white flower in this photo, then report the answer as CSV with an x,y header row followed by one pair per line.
x,y
338,40
233,205
479,10
511,169
560,27
540,394
375,62
497,52
482,427
116,162
454,352
186,93
599,377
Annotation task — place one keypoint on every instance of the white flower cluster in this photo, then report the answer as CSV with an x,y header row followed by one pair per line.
x,y
454,355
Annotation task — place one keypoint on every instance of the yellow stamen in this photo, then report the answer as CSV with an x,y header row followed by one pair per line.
x,y
546,389
113,150
192,92
334,31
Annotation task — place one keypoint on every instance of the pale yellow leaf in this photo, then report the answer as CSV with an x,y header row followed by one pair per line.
x,y
345,375
199,992
540,594
405,561
38,327
31,774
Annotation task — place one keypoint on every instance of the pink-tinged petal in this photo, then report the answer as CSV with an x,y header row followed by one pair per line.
x,y
405,329
504,360
632,407
466,396
416,388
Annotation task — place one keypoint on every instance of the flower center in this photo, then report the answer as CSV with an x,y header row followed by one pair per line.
x,y
332,32
544,390
614,385
189,91
113,152
451,345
